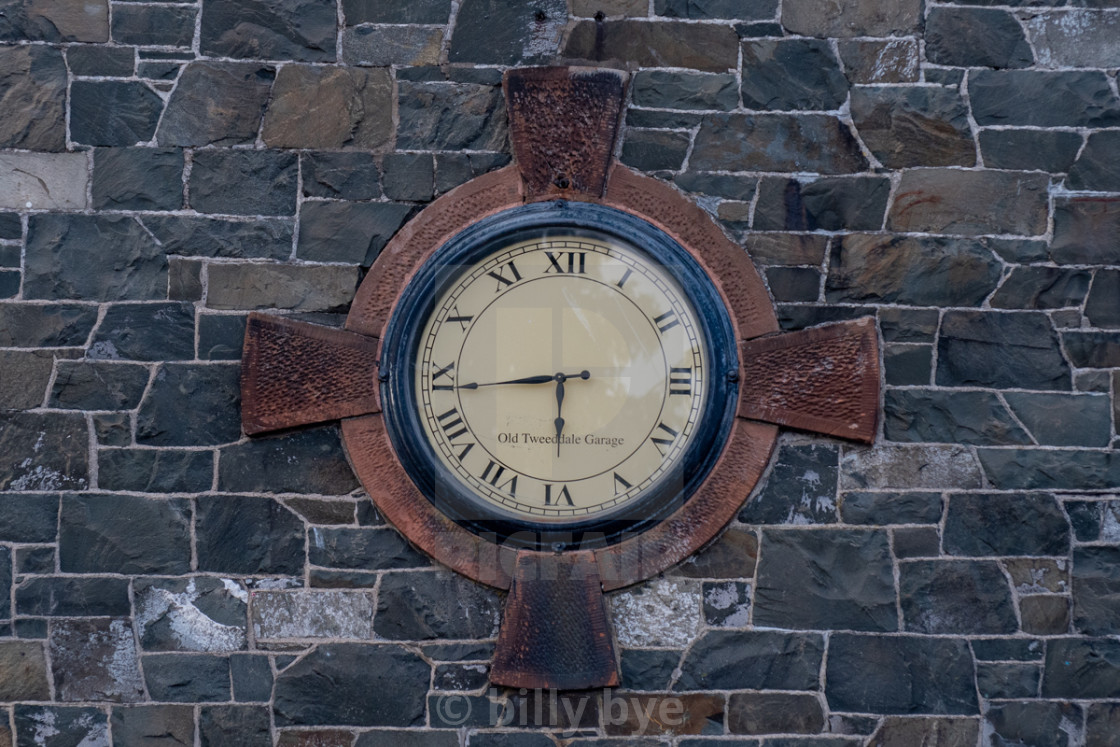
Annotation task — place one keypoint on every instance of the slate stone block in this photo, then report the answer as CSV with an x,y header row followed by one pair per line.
x,y
460,677
453,169
326,511
1033,723
792,74
92,258
774,713
1082,668
184,280
995,524
299,30
247,726
905,731
155,471
146,332
450,116
1036,469
727,604
9,284
1032,98
828,580
647,669
385,46
95,659
1043,150
1045,615
427,605
1008,649
10,226
732,555
252,677
655,150
976,37
363,548
191,404
1102,725
124,534
67,21
1077,37
244,182
900,675
663,89
711,9
408,176
1005,681
321,614
908,325
137,179
28,518
219,103
1064,419
801,488
24,671
247,238
220,336
776,142
1101,308
1013,350
26,375
247,535
832,204
43,451
1042,288
329,107
441,738
906,126
1094,521
109,62
971,202
705,47
907,365
506,32
113,112
939,415
1096,590
378,11
87,385
341,175
60,726
1092,349
297,287
6,584
755,660
794,283
88,596
153,724
310,461
375,685
890,508
916,542
200,614
1085,231
909,467
880,61
943,597
875,18
1096,168
187,678
33,88
154,25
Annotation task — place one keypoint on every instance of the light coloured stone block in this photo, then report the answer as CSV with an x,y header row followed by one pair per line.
x,y
312,614
44,181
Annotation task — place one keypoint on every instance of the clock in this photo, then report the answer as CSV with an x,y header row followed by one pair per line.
x,y
560,378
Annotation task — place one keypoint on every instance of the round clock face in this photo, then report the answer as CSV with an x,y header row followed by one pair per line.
x,y
555,376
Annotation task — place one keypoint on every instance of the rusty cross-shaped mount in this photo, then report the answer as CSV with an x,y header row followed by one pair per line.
x,y
555,631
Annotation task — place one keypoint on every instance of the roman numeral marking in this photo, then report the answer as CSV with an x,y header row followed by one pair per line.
x,y
666,321
564,494
493,474
664,444
619,480
500,275
572,263
463,321
443,372
680,380
453,425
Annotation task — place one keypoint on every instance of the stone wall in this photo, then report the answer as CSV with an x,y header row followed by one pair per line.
x,y
951,169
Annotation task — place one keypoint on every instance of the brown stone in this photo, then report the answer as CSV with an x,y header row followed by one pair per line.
x,y
216,103
55,21
318,738
1086,231
875,61
774,713
815,143
1038,575
971,203
906,126
610,8
1045,615
329,107
656,44
897,731
23,671
272,286
381,46
786,248
846,18
627,714
26,373
32,98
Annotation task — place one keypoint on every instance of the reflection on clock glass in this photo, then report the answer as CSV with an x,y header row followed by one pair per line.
x,y
561,377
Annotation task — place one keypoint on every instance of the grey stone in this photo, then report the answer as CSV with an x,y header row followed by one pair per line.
x,y
942,597
159,71
1008,649
10,227
23,671
1096,167
662,120
329,107
802,316
880,60
815,143
794,283
1101,308
155,725
845,19
916,415
916,542
65,21
43,451
1042,288
1056,724
727,186
1004,681
61,726
1002,524
1045,615
971,202
829,203
1076,38
837,579
309,461
297,287
341,175
374,685
426,605
33,95
191,405
507,32
1017,251
774,713
28,518
450,116
200,614
1092,349
300,30
732,555
26,375
184,279
154,471
909,467
92,257
1042,150
383,46
706,47
1095,520
1002,350
800,489
43,181
252,677
665,89
113,429
907,365
149,26
247,535
756,660
662,612
709,9
110,62
462,677
890,508
976,37
317,511
904,731
905,126
787,249
453,169
113,112
900,675
219,103
244,182
124,534
197,236
1086,231
380,11
87,596
363,548
647,669
655,150
245,726
1102,726
187,678
137,179
1038,469
727,604
408,176
312,614
95,660
441,738
1074,98
145,332
86,385
220,336
1096,590
1082,668
792,74
1064,419
9,284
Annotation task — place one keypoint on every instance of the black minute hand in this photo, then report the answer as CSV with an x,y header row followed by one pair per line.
x,y
542,379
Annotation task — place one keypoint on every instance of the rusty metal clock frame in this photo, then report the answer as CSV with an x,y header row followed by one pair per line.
x,y
555,631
